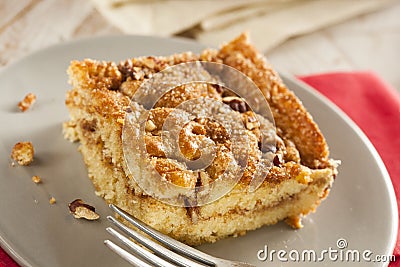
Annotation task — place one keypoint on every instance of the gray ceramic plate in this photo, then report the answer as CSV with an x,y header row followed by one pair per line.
x,y
361,207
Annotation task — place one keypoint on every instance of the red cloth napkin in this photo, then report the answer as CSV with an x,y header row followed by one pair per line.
x,y
371,103
6,261
375,107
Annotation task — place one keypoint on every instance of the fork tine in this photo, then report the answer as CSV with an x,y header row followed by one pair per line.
x,y
147,255
157,248
166,240
126,255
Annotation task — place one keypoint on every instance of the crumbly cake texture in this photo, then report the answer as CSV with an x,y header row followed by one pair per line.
x,y
301,177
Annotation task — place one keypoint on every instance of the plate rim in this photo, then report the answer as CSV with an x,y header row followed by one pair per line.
x,y
5,244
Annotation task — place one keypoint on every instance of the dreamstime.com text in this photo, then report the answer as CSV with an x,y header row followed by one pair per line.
x,y
340,253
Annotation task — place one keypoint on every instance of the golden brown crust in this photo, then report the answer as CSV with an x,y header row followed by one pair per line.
x,y
90,74
98,80
289,113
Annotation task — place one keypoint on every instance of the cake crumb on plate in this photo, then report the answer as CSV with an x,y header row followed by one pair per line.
x,y
80,209
52,200
27,102
36,179
22,153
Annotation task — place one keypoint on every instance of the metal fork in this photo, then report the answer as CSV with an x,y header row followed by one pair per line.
x,y
173,253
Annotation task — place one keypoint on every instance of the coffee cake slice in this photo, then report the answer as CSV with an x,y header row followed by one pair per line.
x,y
300,177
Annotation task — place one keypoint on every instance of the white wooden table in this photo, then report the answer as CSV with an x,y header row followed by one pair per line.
x,y
368,42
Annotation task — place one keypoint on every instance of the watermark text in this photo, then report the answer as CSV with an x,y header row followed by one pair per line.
x,y
339,253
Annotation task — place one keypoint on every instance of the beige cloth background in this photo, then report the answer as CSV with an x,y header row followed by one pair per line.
x,y
270,22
